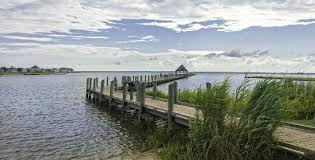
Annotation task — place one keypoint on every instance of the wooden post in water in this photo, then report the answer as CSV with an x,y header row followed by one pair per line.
x,y
124,95
131,91
138,91
123,79
90,87
102,90
145,78
115,83
170,102
141,78
154,91
111,94
142,99
106,81
175,92
94,90
87,88
96,82
208,85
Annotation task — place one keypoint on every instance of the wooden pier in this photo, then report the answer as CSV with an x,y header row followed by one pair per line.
x,y
132,96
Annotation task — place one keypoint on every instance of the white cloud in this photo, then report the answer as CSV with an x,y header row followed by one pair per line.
x,y
148,38
30,16
27,38
88,57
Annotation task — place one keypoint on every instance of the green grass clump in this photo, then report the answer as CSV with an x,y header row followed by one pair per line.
x,y
282,78
160,94
237,126
297,99
187,96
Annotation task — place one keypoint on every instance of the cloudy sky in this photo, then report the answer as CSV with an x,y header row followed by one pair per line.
x,y
204,35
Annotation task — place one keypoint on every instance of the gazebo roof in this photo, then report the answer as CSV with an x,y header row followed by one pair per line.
x,y
181,68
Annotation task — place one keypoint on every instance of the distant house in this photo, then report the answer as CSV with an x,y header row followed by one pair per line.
x,y
24,70
47,70
65,70
13,69
3,69
55,70
35,69
181,70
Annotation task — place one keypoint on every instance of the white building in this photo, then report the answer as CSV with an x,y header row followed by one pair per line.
x,y
35,69
55,70
24,70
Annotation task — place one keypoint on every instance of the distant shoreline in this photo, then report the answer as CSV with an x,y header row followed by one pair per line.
x,y
227,72
31,73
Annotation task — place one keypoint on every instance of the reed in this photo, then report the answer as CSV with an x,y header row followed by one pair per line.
x,y
236,126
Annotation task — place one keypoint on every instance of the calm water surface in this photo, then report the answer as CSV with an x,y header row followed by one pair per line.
x,y
47,117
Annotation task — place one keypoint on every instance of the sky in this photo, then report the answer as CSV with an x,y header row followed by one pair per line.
x,y
159,35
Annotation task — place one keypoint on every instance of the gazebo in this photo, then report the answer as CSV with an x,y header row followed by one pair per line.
x,y
181,70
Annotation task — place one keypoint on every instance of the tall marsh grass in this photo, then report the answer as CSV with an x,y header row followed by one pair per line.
x,y
237,126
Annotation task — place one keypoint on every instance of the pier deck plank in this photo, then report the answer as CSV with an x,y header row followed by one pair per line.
x,y
299,139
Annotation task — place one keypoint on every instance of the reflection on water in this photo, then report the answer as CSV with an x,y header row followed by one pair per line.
x,y
47,117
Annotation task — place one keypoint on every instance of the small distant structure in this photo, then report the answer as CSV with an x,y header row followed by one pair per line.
x,y
35,69
3,69
13,69
65,70
181,70
55,70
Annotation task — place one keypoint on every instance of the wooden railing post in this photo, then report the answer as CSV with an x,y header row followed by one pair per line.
x,y
131,91
142,99
170,108
96,82
175,92
208,85
154,91
138,91
111,94
102,90
124,94
115,83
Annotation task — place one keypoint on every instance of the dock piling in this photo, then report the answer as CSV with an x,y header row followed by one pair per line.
x,y
102,90
90,87
208,85
94,90
124,94
170,106
142,99
106,81
131,91
87,88
138,91
96,82
154,90
111,93
115,83
175,92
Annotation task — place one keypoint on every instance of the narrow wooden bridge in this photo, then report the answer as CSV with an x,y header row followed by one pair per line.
x,y
293,139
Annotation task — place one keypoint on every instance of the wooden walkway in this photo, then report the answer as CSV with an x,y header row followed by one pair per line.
x,y
298,140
